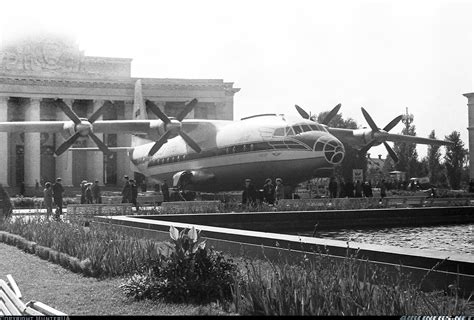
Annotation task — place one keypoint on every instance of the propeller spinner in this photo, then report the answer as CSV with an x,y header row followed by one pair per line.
x,y
172,126
379,135
82,128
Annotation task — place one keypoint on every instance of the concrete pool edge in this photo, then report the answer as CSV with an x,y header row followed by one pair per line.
x,y
450,268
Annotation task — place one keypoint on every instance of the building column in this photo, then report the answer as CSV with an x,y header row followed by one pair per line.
x,y
124,140
95,159
32,145
470,128
4,143
64,161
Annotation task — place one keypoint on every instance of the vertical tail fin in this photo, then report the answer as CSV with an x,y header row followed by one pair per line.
x,y
139,107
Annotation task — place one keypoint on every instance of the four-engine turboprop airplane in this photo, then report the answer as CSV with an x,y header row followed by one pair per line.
x,y
217,155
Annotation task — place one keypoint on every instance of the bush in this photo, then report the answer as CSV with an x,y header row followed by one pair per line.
x,y
101,250
189,273
34,202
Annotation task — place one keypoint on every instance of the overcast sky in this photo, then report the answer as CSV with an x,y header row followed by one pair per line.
x,y
384,56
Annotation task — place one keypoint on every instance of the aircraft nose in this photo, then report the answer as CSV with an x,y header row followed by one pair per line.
x,y
332,148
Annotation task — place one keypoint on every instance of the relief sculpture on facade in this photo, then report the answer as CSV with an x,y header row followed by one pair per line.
x,y
42,55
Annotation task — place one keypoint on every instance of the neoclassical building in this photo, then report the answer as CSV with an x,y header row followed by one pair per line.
x,y
36,70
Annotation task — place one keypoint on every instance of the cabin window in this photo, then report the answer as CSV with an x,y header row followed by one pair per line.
x,y
289,131
297,129
280,132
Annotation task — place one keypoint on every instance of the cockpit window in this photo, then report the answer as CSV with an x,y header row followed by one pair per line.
x,y
314,127
306,127
297,129
280,132
289,131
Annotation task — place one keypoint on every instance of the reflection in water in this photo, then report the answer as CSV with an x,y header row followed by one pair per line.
x,y
453,238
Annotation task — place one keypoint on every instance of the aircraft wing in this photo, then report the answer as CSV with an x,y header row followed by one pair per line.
x,y
100,126
413,139
33,126
360,137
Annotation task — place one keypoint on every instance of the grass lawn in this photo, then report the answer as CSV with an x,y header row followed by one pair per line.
x,y
75,294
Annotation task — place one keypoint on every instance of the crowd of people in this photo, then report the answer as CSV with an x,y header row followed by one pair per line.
x,y
269,194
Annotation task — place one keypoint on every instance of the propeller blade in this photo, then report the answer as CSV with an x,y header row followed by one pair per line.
x,y
367,147
68,111
154,108
331,114
161,141
393,123
302,112
391,152
369,120
100,144
190,142
187,109
66,144
96,115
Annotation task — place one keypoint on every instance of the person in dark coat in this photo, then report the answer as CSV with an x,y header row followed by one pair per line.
x,y
58,191
349,189
96,194
269,192
165,191
249,195
332,188
383,189
48,199
88,193
126,191
83,191
22,188
134,188
358,189
342,188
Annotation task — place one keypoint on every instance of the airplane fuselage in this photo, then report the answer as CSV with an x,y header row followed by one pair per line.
x,y
256,148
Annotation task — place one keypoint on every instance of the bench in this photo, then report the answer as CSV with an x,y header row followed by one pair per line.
x,y
11,303
85,212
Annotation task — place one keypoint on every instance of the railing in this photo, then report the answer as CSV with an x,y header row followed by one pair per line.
x,y
371,203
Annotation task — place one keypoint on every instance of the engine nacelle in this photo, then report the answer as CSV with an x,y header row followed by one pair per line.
x,y
195,177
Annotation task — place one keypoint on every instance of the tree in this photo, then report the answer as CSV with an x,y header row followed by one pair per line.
x,y
433,156
352,158
455,159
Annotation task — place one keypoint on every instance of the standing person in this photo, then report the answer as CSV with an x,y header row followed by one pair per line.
x,y
368,191
269,192
48,199
350,189
126,191
342,188
22,189
88,193
279,190
249,195
96,194
383,189
83,191
165,191
358,189
58,191
332,188
36,187
134,193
